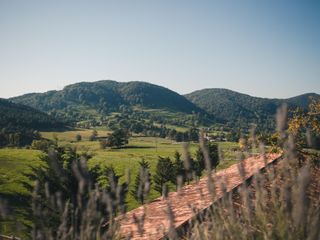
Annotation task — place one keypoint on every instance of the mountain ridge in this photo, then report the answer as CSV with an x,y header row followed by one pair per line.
x,y
85,100
250,95
135,92
242,109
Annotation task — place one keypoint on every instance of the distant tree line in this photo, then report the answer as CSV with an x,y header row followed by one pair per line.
x,y
140,122
18,138
18,124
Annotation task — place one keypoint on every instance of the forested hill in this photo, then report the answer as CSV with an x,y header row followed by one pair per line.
x,y
17,117
239,109
97,101
109,96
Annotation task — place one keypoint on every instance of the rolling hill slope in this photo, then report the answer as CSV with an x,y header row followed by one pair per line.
x,y
88,104
17,116
109,96
237,109
93,101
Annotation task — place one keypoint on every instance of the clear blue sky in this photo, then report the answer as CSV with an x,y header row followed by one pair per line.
x,y
263,48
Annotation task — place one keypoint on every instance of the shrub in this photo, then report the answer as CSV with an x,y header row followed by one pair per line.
x,y
78,137
103,143
93,136
43,145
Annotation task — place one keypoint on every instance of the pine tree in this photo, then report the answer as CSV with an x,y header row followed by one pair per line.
x,y
188,165
142,182
164,174
200,158
214,155
201,162
178,166
117,191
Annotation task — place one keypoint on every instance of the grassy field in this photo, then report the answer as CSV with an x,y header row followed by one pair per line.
x,y
229,150
15,162
127,158
70,136
123,159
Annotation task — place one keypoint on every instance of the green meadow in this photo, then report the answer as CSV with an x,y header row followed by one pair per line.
x,y
14,163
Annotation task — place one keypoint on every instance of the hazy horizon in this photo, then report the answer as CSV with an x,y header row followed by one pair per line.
x,y
266,49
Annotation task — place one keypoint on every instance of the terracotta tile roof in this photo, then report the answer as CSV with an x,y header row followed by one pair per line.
x,y
191,198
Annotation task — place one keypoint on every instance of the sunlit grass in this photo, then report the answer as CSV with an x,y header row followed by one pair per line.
x,y
70,136
15,162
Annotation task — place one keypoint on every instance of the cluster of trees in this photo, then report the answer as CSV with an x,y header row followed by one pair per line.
x,y
18,124
167,170
17,138
43,144
117,138
120,136
67,193
61,176
142,122
178,172
158,116
148,124
305,125
16,117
